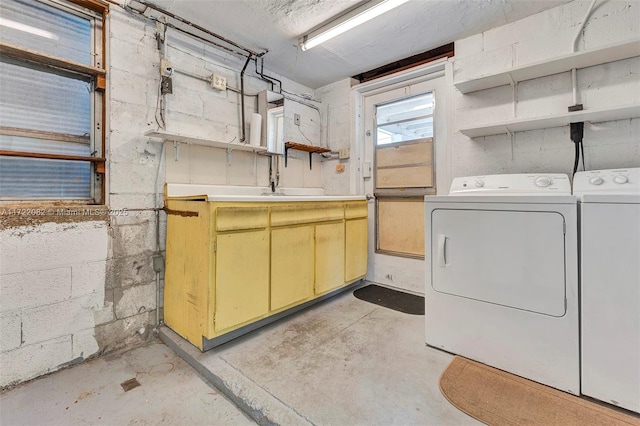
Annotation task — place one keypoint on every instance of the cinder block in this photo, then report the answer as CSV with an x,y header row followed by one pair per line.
x,y
88,279
105,314
134,201
262,171
544,96
34,288
84,344
125,271
134,300
128,87
137,56
469,46
32,361
10,331
123,332
52,245
242,170
134,239
186,99
133,177
53,321
178,171
209,165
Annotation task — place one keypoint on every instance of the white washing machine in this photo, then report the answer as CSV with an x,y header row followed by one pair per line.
x,y
609,203
502,275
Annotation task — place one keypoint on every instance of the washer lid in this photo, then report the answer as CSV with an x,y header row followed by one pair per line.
x,y
513,184
611,182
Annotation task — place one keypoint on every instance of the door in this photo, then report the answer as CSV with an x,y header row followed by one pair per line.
x,y
509,258
292,274
241,278
404,134
329,241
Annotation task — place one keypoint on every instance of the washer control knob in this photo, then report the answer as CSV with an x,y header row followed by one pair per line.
x,y
479,183
620,179
543,181
596,180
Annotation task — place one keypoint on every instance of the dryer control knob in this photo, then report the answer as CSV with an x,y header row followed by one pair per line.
x,y
543,181
479,183
596,180
620,179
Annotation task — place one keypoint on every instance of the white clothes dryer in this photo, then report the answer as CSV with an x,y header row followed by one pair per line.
x,y
502,275
609,202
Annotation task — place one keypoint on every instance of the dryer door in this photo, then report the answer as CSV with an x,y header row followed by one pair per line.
x,y
509,258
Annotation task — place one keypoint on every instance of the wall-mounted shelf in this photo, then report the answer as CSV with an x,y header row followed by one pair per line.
x,y
582,59
177,138
524,124
306,148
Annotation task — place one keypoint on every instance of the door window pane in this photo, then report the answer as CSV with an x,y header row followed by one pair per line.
x,y
405,120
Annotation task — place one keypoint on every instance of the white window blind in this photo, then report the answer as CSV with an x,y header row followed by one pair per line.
x,y
46,110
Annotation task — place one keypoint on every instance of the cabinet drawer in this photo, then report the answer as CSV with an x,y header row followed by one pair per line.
x,y
294,214
237,218
355,210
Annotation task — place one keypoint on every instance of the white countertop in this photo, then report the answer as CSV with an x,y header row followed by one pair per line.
x,y
253,194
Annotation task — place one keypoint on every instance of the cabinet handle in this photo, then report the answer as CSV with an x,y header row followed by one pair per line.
x,y
442,244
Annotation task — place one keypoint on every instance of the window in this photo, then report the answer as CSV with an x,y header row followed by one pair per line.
x,y
52,81
404,143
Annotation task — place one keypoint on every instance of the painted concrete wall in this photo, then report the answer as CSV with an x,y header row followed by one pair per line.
x,y
72,287
543,36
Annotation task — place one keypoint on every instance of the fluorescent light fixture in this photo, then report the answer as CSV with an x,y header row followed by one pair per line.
x,y
27,29
348,21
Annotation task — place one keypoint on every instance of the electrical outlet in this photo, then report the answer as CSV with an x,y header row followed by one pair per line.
x,y
218,82
296,119
166,69
166,88
343,153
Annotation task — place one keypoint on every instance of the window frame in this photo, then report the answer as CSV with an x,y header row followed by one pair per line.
x,y
96,12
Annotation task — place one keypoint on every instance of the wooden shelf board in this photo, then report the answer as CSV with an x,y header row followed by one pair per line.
x,y
582,59
524,124
175,137
305,148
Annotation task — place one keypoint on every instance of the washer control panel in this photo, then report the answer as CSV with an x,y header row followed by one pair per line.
x,y
524,183
612,181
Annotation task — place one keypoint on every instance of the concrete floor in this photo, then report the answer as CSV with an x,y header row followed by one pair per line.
x,y
170,392
341,362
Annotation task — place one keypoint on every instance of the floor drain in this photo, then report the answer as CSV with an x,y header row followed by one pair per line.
x,y
130,384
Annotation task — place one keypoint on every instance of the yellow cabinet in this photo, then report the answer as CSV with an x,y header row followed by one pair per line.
x,y
330,260
291,266
232,266
240,258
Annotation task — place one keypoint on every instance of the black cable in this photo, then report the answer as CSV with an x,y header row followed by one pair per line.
x,y
576,160
582,154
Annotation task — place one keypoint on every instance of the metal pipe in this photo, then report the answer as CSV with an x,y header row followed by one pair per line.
x,y
584,22
243,137
198,27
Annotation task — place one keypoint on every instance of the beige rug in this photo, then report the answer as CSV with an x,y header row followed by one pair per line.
x,y
498,398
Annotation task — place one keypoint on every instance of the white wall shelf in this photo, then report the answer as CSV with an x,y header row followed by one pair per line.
x,y
622,112
176,137
582,59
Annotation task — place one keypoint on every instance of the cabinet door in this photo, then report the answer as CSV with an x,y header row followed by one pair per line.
x,y
241,278
356,249
291,265
329,257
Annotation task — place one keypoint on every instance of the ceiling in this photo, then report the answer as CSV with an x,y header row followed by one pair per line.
x,y
411,28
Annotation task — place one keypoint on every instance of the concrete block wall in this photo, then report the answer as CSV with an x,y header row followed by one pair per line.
x,y
195,109
337,132
541,37
52,287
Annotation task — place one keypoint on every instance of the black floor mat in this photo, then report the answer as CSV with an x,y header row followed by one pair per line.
x,y
392,299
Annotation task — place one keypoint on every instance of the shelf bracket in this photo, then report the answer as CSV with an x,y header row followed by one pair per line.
x,y
176,150
229,156
510,133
